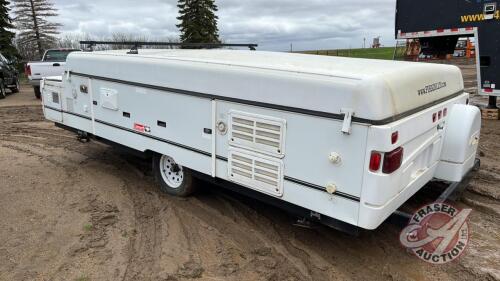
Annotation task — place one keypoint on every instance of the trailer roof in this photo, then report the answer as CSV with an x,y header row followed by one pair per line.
x,y
374,89
342,67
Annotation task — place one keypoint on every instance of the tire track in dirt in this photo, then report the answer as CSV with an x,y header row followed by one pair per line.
x,y
218,235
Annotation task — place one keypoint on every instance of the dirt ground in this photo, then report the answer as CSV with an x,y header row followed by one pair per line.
x,y
74,211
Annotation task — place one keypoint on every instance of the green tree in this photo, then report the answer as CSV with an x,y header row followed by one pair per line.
x,y
6,35
198,21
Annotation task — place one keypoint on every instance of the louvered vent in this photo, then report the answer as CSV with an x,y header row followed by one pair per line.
x,y
258,133
69,104
55,97
264,174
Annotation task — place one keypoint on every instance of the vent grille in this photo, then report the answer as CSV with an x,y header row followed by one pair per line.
x,y
55,97
255,171
69,104
258,133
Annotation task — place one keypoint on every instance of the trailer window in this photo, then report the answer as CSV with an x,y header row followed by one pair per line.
x,y
57,55
489,11
485,61
490,8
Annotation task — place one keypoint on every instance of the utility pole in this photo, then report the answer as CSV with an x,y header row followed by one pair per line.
x,y
291,47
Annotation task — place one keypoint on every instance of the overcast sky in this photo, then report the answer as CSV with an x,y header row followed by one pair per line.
x,y
274,24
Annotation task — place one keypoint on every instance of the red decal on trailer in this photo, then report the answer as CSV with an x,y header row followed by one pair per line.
x,y
139,127
440,30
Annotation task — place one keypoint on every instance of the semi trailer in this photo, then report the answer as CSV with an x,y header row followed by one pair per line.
x,y
439,24
345,141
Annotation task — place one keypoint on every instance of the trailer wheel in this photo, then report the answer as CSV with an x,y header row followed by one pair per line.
x,y
172,178
38,93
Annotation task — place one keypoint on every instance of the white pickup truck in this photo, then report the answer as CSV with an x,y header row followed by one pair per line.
x,y
52,64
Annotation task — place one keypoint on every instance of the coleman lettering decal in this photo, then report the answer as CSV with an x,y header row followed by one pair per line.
x,y
431,88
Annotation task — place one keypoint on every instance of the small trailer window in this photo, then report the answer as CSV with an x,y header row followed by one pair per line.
x,y
489,10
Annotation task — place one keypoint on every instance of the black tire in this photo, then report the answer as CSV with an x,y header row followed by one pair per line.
x,y
187,185
16,88
38,93
3,93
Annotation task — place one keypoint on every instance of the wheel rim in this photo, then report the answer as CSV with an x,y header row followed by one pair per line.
x,y
171,172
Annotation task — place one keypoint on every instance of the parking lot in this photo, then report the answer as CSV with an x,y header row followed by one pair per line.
x,y
85,211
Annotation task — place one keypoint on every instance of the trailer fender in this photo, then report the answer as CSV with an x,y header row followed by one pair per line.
x,y
461,140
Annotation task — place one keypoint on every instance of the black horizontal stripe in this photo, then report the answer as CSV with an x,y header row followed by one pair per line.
x,y
290,179
135,132
321,188
155,138
314,186
269,105
222,158
67,112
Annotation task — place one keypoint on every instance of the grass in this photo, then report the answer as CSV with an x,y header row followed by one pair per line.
x,y
88,227
83,278
384,53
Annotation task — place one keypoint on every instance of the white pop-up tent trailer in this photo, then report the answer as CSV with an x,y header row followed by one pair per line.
x,y
345,139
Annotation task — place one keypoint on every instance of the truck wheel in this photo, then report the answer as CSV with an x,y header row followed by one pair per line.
x,y
171,177
3,94
16,87
38,94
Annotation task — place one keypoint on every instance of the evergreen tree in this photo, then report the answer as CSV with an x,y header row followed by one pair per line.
x,y
198,21
6,36
36,31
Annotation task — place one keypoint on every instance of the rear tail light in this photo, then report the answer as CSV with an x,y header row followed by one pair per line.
x,y
27,70
434,117
375,161
445,112
440,115
392,161
394,137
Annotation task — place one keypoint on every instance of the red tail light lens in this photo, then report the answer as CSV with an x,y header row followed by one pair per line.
x,y
440,114
392,161
375,161
445,112
434,117
394,137
27,70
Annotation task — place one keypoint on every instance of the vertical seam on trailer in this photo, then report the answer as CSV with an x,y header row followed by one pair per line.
x,y
214,139
42,85
363,178
91,93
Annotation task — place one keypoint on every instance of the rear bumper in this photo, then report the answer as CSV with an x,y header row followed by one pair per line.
x,y
370,217
35,82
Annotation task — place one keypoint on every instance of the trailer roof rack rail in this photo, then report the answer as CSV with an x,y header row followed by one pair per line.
x,y
137,44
